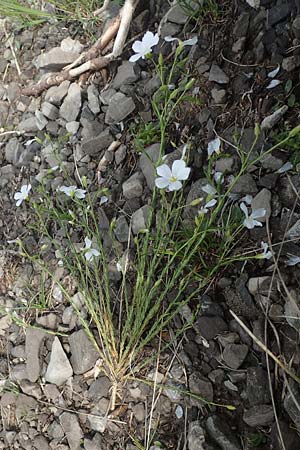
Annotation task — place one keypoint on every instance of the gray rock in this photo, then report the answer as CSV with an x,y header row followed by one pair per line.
x,y
96,144
225,165
33,342
50,111
148,162
257,386
98,421
121,229
262,200
127,73
138,411
13,151
55,59
240,28
70,108
284,434
210,327
41,120
296,27
278,13
99,388
41,443
259,415
93,444
291,63
90,128
201,386
59,369
176,14
270,121
84,354
271,162
133,187
25,407
29,125
106,96
120,107
48,321
56,94
196,436
294,231
152,85
221,433
71,427
245,185
93,99
72,127
235,354
239,45
259,285
120,154
218,95
71,46
218,75
139,220
239,299
30,388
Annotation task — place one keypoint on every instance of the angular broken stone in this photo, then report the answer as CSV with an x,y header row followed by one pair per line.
x,y
97,144
56,94
120,107
59,369
84,355
148,161
34,339
70,108
218,75
259,415
55,59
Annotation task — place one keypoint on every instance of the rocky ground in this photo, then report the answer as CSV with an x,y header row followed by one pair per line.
x,y
48,400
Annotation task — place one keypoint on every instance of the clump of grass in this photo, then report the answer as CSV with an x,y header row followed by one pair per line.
x,y
200,9
157,271
71,10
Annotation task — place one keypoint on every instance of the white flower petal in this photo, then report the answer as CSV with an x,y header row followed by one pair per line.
x,y
210,203
274,72
244,209
103,200
161,183
170,39
258,213
191,41
256,223
213,146
88,242
164,171
175,185
179,170
273,84
218,177
247,199
137,46
135,58
18,203
249,223
209,189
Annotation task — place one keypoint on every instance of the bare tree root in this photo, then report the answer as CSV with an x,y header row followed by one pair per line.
x,y
91,61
